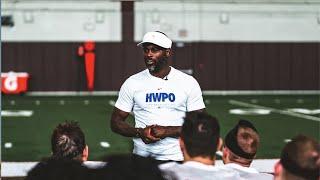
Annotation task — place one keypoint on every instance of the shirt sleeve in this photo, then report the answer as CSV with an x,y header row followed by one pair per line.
x,y
195,99
125,98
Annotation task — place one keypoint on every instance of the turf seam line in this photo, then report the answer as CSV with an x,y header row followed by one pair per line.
x,y
289,113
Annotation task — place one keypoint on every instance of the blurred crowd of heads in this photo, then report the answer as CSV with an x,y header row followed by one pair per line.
x,y
200,137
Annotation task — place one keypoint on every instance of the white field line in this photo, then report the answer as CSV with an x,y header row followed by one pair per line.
x,y
20,169
16,113
115,93
285,112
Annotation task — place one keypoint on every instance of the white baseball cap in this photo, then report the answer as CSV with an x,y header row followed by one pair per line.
x,y
156,38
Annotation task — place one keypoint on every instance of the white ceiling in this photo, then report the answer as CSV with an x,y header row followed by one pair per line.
x,y
195,1
249,1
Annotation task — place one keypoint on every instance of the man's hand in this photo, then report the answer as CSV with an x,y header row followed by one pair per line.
x,y
165,131
146,136
159,131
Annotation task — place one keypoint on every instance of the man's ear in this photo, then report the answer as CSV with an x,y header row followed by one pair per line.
x,y
182,147
220,143
277,170
85,153
225,154
168,52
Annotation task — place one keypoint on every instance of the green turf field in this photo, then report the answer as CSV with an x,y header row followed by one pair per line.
x,y
30,136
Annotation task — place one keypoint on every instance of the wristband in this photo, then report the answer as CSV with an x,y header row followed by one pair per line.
x,y
137,135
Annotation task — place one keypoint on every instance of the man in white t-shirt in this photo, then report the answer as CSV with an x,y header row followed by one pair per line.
x,y
158,97
199,142
241,145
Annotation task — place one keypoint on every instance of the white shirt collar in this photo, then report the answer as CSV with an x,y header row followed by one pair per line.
x,y
199,165
241,168
169,76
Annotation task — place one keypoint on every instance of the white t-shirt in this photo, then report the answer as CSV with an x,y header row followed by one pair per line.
x,y
192,170
248,172
163,102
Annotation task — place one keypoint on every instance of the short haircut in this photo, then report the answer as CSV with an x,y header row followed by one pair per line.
x,y
200,134
68,141
299,157
243,140
60,168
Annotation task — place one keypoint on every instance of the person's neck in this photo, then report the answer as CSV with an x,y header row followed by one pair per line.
x,y
162,73
203,160
240,163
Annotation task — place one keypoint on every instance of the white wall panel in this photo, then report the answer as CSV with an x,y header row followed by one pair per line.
x,y
243,22
188,21
64,21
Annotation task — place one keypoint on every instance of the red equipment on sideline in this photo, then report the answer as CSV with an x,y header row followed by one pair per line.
x,y
87,50
14,82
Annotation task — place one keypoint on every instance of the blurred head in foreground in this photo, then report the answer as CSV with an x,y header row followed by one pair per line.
x,y
200,137
68,141
241,144
300,160
128,166
58,168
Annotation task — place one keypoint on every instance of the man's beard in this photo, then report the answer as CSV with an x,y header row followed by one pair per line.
x,y
159,65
